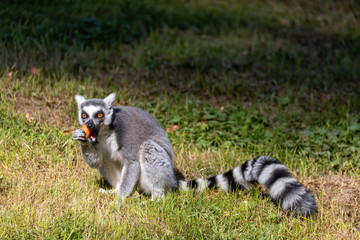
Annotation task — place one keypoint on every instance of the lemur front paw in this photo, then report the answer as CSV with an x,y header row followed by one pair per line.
x,y
79,135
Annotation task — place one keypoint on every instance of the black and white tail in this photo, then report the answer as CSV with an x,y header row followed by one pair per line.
x,y
269,172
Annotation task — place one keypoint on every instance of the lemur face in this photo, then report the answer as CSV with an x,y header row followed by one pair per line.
x,y
95,113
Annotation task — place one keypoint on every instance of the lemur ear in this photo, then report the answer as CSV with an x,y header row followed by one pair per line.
x,y
109,100
79,99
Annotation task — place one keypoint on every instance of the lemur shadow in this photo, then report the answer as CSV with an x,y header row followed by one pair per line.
x,y
103,183
260,192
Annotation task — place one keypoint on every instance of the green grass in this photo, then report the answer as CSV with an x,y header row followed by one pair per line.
x,y
240,79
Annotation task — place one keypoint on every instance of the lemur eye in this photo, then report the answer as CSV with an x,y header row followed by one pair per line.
x,y
100,115
84,115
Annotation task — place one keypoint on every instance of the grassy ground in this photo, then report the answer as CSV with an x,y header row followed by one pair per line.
x,y
229,80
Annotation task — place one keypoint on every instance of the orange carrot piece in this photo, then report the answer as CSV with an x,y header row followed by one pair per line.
x,y
86,130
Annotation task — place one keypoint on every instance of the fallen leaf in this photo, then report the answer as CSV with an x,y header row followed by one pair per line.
x,y
34,71
67,131
204,121
299,125
27,115
172,128
283,22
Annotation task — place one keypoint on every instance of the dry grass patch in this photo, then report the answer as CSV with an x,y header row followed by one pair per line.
x,y
338,188
52,111
339,196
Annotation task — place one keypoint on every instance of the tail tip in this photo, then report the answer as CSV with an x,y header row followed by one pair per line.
x,y
305,207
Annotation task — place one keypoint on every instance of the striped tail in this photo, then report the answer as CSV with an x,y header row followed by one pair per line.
x,y
269,172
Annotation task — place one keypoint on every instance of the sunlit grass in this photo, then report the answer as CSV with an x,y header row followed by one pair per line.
x,y
237,79
48,191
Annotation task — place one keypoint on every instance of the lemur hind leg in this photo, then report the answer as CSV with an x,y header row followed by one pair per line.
x,y
157,172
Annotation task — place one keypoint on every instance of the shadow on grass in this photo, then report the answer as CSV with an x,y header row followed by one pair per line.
x,y
88,38
92,23
102,183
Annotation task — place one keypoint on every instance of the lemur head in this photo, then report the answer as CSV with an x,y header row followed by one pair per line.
x,y
95,113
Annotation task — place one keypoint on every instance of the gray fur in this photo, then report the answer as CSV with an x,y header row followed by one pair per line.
x,y
130,148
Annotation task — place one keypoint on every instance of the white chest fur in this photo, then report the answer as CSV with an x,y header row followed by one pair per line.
x,y
108,148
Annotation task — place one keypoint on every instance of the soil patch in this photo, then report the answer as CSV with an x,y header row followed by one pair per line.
x,y
52,111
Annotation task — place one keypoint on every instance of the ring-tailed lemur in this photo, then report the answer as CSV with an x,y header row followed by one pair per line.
x,y
129,147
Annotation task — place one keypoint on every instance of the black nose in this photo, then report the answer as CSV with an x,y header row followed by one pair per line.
x,y
90,124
